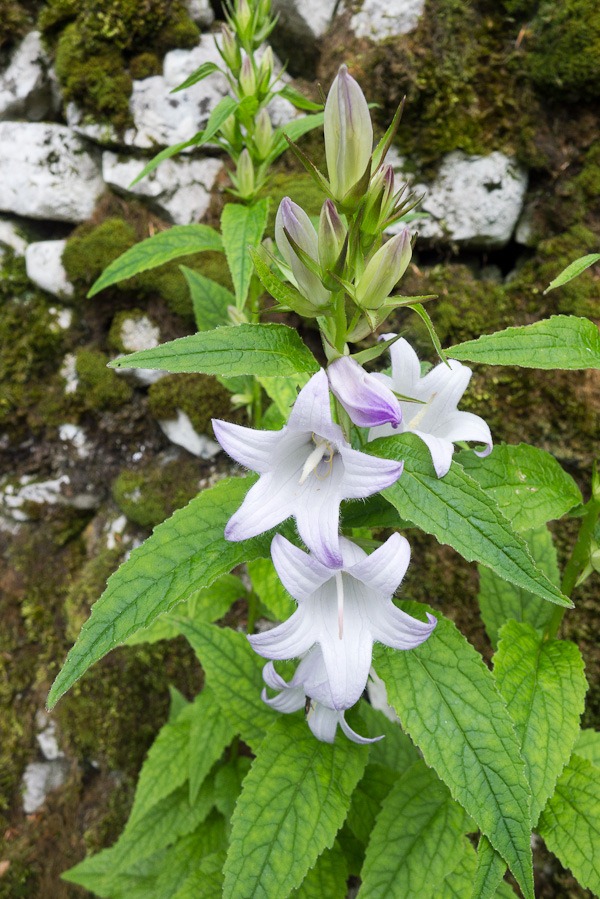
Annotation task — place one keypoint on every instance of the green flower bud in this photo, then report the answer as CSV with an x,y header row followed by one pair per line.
x,y
245,175
332,235
265,71
230,51
348,134
244,19
229,130
383,271
247,78
263,134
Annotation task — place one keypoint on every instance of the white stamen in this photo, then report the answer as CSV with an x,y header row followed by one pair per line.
x,y
321,449
416,421
340,602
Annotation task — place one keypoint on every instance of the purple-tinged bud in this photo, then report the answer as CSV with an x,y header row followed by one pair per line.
x,y
246,181
263,134
230,50
383,271
332,235
348,134
293,219
247,78
367,401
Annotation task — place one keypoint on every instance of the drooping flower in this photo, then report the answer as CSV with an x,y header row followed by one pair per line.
x,y
293,219
310,683
348,134
434,417
306,469
367,401
344,610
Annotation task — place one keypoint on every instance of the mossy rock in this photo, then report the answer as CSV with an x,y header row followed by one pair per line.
x,y
201,397
100,387
144,65
564,50
149,495
90,249
300,188
13,23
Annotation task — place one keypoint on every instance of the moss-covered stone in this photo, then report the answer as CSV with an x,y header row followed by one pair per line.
x,y
564,49
149,495
13,23
143,65
90,249
300,188
86,586
100,387
201,397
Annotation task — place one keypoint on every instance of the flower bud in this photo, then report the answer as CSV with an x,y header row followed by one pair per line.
x,y
230,50
265,71
295,221
245,174
247,78
367,401
263,134
383,271
229,131
348,134
243,19
332,235
379,201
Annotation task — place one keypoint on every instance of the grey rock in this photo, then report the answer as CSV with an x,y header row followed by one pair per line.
x,y
25,87
43,262
10,236
47,172
39,779
201,12
301,23
381,19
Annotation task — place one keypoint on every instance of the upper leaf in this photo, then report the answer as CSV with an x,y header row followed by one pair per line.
x,y
588,745
270,590
209,298
180,240
448,702
242,227
328,878
293,802
271,349
573,270
184,554
457,511
210,733
561,341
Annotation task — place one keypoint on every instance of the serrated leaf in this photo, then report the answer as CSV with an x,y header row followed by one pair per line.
x,y
328,878
458,884
242,227
527,483
570,823
180,240
459,513
234,673
424,825
228,783
561,341
270,590
367,798
184,554
448,702
573,270
171,869
249,349
397,751
206,882
283,391
210,732
293,802
544,687
588,745
209,298
500,601
488,872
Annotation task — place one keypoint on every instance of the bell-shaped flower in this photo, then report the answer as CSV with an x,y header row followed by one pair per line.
x,y
434,416
293,219
367,401
306,469
343,610
348,134
309,689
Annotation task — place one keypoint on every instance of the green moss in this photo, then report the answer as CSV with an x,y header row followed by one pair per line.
x,y
564,50
201,397
149,495
144,65
179,31
302,190
86,587
13,23
91,249
56,14
100,387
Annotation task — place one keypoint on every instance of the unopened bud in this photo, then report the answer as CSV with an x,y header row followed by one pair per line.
x,y
332,235
379,201
348,134
263,134
293,219
247,78
230,51
368,402
383,271
229,130
265,71
245,174
243,18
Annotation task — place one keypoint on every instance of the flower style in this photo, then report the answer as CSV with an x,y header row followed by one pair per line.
x,y
310,682
344,610
434,417
306,470
368,402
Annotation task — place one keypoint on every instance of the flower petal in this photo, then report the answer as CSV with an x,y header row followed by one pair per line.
x,y
288,701
442,389
384,569
441,452
266,505
311,413
273,679
286,641
317,511
251,448
467,426
323,722
299,573
365,475
406,369
352,735
395,628
367,401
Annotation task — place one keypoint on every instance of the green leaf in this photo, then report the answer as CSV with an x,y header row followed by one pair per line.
x,y
228,784
271,349
588,745
448,702
488,871
424,825
527,483
544,687
374,512
458,884
561,341
234,673
570,823
180,240
164,154
166,872
184,554
220,114
500,601
285,294
328,878
424,316
293,802
299,100
270,590
210,299
202,72
210,733
283,391
242,227
206,882
372,789
397,751
573,271
459,513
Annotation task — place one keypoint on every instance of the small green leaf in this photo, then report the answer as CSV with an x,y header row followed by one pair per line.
x,y
180,240
285,294
570,823
202,72
425,317
164,154
228,784
293,802
561,341
424,825
488,871
447,701
270,349
220,114
270,590
210,299
299,100
372,789
588,745
397,751
242,227
573,271
459,513
210,733
328,878
459,883
206,882
500,601
527,483
184,554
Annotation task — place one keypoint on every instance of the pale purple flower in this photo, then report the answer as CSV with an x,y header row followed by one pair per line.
x,y
348,133
344,610
367,401
306,469
434,417
310,683
293,219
